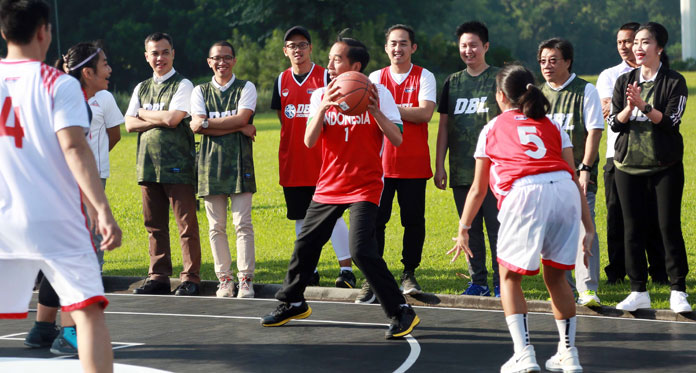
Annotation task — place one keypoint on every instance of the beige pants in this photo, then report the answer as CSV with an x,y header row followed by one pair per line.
x,y
216,210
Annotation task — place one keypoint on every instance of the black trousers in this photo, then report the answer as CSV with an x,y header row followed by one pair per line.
x,y
666,188
616,269
411,197
316,231
477,241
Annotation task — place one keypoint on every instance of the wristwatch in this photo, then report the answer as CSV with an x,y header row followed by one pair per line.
x,y
584,167
648,108
204,124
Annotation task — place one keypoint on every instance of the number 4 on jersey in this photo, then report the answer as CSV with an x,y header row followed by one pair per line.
x,y
17,131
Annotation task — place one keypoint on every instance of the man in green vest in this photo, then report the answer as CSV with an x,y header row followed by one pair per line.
x,y
159,113
223,112
467,103
575,105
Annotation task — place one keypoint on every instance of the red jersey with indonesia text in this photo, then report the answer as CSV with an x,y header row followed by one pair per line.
x,y
351,149
519,146
411,160
297,164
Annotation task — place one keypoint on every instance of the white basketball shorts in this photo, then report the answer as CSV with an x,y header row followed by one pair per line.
x,y
540,219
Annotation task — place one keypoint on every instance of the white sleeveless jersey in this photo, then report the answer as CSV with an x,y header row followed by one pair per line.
x,y
40,204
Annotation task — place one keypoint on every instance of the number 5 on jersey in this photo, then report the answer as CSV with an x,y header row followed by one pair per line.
x,y
17,131
528,135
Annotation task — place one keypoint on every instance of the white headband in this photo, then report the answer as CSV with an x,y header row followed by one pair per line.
x,y
83,62
529,86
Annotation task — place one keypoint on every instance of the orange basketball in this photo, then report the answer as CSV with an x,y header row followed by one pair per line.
x,y
354,93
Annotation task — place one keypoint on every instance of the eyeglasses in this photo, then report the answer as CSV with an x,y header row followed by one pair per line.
x,y
550,61
226,58
301,46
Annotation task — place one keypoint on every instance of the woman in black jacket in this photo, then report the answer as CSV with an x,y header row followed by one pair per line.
x,y
647,107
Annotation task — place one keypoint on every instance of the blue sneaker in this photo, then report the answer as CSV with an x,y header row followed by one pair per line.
x,y
496,291
66,342
474,289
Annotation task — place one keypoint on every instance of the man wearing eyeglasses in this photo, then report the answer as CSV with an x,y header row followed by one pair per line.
x,y
298,165
159,113
223,112
575,105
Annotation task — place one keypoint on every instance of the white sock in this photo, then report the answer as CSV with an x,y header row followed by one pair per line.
x,y
296,304
566,332
298,226
347,269
339,239
519,330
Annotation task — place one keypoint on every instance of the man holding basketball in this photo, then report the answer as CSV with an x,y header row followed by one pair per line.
x,y
350,178
407,167
298,165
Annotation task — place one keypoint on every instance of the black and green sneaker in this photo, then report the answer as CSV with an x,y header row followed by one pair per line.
x,y
286,312
41,334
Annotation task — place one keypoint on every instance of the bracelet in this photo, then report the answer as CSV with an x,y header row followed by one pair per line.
x,y
464,226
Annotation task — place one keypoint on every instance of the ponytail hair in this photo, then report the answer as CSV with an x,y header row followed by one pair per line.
x,y
661,36
78,57
517,84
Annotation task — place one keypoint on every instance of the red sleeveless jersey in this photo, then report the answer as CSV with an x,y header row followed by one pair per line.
x,y
351,147
411,160
297,164
519,146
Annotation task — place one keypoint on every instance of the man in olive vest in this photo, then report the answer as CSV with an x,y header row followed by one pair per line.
x,y
575,105
223,110
159,113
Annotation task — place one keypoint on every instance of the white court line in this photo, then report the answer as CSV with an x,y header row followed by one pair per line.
x,y
122,345
411,359
8,336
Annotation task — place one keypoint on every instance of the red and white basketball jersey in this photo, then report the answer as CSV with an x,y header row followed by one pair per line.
x,y
40,205
411,160
297,164
519,146
351,148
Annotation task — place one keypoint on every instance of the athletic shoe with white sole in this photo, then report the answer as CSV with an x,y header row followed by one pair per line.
x,y
566,361
286,312
476,289
634,301
225,287
678,302
403,323
589,298
246,287
409,285
522,362
66,342
366,295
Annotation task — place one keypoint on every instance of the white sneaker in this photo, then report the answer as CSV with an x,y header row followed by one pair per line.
x,y
225,287
522,362
566,361
678,302
246,287
589,298
634,301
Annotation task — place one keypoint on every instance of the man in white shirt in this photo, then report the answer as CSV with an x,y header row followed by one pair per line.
x,y
616,269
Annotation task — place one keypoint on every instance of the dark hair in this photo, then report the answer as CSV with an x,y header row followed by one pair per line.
x,y
78,57
517,83
659,33
357,51
400,26
630,26
473,27
562,45
157,36
223,43
19,19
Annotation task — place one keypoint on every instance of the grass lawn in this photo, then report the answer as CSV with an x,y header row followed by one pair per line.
x,y
275,234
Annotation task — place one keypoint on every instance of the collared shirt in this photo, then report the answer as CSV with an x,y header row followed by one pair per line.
x,y
181,100
246,101
605,87
591,107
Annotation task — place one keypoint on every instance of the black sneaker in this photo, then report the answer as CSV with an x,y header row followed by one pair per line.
x,y
403,323
41,335
366,296
345,279
409,285
314,281
187,288
153,287
285,312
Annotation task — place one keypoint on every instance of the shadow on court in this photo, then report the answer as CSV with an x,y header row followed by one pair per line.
x,y
207,334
